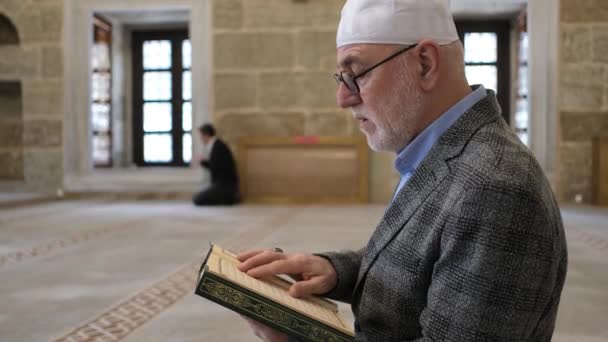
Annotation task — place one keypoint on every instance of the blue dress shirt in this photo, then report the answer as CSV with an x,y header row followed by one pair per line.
x,y
414,153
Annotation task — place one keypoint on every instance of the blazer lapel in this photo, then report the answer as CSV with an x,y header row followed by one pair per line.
x,y
428,176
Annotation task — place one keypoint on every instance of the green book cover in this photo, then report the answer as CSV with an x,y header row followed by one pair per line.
x,y
267,301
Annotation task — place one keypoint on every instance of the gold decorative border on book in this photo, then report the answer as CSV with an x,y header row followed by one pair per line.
x,y
267,312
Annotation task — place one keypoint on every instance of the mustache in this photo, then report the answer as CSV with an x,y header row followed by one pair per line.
x,y
359,113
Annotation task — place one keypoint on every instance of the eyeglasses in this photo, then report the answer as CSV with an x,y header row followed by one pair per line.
x,y
350,80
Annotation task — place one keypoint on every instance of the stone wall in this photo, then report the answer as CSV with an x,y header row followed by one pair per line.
x,y
273,67
273,62
583,92
36,64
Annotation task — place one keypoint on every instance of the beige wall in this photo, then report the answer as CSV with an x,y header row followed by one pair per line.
x,y
273,62
37,64
273,66
583,91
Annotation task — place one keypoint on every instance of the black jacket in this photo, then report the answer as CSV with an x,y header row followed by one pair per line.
x,y
221,164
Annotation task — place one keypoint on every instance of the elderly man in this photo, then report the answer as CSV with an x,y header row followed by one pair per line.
x,y
472,246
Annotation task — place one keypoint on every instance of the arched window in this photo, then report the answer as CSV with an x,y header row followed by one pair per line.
x,y
8,32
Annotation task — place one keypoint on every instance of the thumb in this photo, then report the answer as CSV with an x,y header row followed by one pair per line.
x,y
306,287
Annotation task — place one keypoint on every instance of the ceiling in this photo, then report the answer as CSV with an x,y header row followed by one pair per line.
x,y
147,17
460,9
487,8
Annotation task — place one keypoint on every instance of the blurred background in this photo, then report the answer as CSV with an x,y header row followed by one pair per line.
x,y
98,101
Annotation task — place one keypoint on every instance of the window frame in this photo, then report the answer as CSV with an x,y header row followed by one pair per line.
x,y
176,37
522,62
102,32
502,29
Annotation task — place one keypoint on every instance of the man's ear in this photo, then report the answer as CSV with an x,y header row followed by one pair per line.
x,y
429,56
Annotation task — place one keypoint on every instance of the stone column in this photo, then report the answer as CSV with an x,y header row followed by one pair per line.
x,y
583,92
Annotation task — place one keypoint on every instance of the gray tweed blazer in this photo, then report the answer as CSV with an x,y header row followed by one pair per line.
x,y
471,249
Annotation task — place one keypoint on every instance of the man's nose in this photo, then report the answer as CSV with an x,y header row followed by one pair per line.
x,y
346,98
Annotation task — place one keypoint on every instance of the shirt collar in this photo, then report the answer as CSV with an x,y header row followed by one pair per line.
x,y
209,146
414,153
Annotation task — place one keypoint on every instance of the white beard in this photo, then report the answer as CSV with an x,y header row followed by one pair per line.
x,y
395,131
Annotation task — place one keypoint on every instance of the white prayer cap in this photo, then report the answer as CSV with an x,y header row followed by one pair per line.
x,y
404,22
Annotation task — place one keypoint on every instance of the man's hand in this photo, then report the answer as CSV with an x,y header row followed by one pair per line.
x,y
313,274
265,333
196,160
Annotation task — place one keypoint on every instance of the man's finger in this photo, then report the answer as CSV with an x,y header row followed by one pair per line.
x,y
307,287
248,254
260,259
279,266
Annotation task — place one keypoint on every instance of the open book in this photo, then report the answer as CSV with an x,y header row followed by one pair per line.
x,y
267,301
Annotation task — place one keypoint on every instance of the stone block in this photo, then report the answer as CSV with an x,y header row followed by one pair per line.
x,y
576,170
582,127
52,18
43,98
329,124
29,65
12,165
42,133
19,62
11,59
278,90
52,62
43,168
316,90
227,14
599,40
584,10
41,23
576,43
29,25
235,91
290,14
11,134
10,7
315,50
11,108
297,89
581,88
253,50
231,126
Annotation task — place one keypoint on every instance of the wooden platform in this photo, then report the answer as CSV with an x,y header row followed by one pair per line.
x,y
303,170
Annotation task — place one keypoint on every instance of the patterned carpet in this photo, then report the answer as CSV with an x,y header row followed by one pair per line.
x,y
125,271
